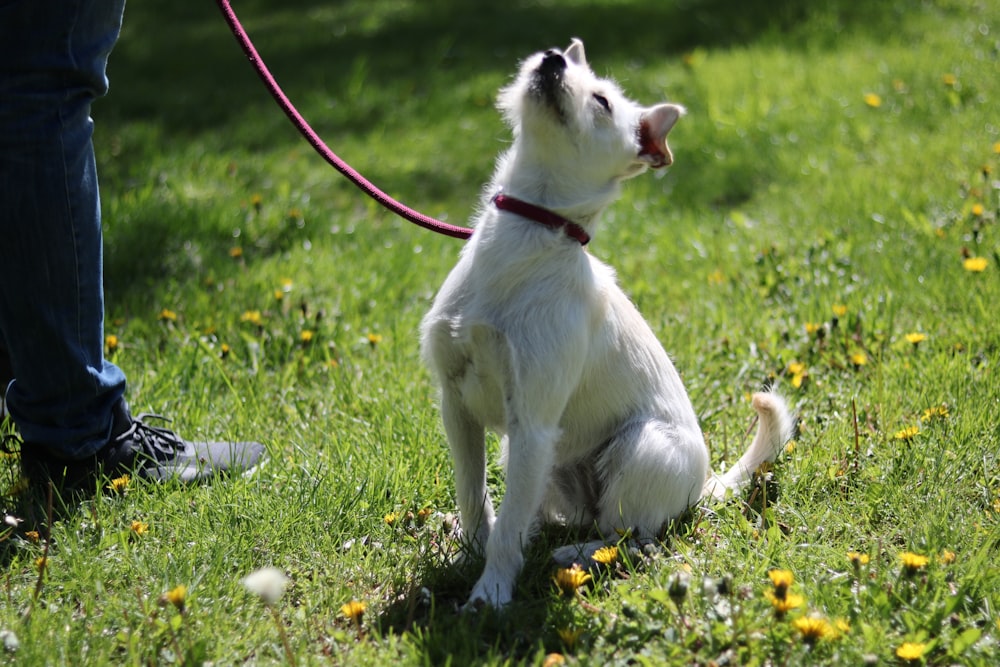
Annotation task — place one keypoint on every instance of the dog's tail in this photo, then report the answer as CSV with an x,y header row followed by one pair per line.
x,y
775,428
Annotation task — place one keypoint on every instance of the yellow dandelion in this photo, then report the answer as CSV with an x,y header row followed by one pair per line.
x,y
911,651
390,518
813,628
975,264
119,484
279,295
353,611
569,636
907,434
569,579
33,536
253,317
996,148
783,605
841,626
782,580
812,327
139,528
256,200
947,557
236,252
606,555
111,343
873,100
374,339
423,515
41,563
949,79
716,277
912,563
859,358
306,336
977,209
839,309
798,372
915,339
167,315
177,596
858,559
553,659
224,350
938,412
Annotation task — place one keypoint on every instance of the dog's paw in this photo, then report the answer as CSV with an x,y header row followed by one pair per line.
x,y
490,591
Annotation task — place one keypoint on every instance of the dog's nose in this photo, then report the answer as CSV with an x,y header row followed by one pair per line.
x,y
553,61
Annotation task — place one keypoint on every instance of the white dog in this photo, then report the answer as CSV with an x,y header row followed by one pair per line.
x,y
532,337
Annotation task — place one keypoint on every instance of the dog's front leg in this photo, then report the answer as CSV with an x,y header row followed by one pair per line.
x,y
530,453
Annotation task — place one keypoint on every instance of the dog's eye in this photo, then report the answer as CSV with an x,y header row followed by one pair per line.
x,y
603,101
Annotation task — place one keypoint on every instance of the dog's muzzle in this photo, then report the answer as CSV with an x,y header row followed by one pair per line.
x,y
548,81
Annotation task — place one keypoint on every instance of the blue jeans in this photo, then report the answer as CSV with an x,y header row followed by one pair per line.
x,y
53,55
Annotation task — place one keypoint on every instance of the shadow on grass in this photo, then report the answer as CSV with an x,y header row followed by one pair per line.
x,y
359,67
429,613
185,72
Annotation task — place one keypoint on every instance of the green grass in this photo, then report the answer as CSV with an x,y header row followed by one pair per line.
x,y
799,225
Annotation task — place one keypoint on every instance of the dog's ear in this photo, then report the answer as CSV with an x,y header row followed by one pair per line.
x,y
575,52
654,125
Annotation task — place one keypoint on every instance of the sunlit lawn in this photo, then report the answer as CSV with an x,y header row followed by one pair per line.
x,y
830,223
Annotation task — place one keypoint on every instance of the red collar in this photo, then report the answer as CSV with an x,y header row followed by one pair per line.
x,y
541,215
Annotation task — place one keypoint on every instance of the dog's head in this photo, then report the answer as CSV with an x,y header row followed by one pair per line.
x,y
568,119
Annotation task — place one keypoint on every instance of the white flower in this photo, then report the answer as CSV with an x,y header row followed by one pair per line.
x,y
268,582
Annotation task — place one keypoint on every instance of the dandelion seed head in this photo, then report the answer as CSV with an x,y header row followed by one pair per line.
x,y
268,583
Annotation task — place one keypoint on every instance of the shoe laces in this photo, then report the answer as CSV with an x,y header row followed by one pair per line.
x,y
155,441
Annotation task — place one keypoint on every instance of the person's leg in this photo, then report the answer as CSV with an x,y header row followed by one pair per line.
x,y
53,55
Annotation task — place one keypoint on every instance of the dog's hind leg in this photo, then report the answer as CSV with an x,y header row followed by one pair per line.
x,y
653,472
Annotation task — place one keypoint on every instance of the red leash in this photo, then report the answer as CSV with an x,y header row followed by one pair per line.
x,y
310,135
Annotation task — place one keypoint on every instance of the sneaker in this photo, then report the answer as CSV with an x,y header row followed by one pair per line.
x,y
148,452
